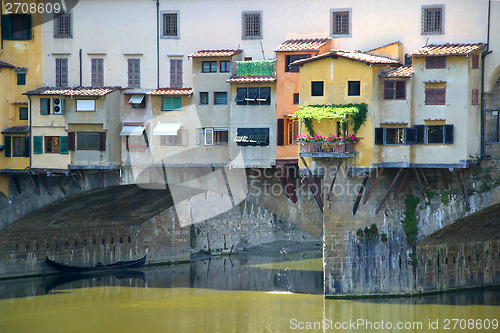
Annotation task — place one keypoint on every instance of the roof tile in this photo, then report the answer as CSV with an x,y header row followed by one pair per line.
x,y
72,91
447,49
353,55
215,53
402,71
16,130
4,64
171,91
251,79
302,45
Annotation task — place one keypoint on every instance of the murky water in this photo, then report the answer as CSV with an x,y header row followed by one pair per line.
x,y
250,293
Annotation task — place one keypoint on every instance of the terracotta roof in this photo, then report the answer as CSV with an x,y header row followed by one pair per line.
x,y
447,49
69,91
394,123
353,55
172,91
302,44
19,103
4,64
16,130
402,71
249,79
215,53
434,119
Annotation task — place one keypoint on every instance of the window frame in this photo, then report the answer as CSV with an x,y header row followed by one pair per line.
x,y
50,139
97,72
80,107
134,72
7,26
245,17
175,99
428,28
172,140
333,22
212,66
22,144
296,98
23,110
290,58
62,69
225,66
174,34
63,24
434,100
394,89
78,139
220,93
204,99
176,73
21,78
438,62
315,86
354,85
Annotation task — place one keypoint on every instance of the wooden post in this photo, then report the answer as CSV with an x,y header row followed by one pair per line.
x,y
334,178
373,185
44,185
401,185
117,175
360,193
59,184
427,186
420,185
81,176
35,186
389,190
462,185
312,183
14,179
74,180
445,179
101,176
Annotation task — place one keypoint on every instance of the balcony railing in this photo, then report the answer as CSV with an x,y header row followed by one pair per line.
x,y
327,149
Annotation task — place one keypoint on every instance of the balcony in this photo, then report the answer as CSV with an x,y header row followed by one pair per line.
x,y
327,149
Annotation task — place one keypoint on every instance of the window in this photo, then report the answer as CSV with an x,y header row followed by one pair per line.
x,y
204,98
252,137
435,96
171,104
475,61
63,25
134,73
220,98
475,96
16,27
138,101
88,140
23,113
419,134
253,96
252,25
225,66
433,20
353,88
61,72
209,67
395,90
394,136
435,62
293,131
97,72
295,98
341,22
85,105
213,136
20,147
21,79
52,144
294,57
171,140
435,134
176,73
317,88
170,25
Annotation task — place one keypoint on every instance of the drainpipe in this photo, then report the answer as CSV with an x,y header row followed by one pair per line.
x,y
483,56
157,44
1,13
31,133
81,77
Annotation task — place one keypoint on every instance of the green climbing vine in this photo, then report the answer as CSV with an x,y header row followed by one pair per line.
x,y
309,125
354,114
256,67
410,226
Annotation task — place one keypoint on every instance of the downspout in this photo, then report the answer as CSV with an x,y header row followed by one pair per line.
x,y
157,44
81,77
31,134
483,56
1,13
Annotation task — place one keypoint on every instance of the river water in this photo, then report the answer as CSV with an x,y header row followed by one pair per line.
x,y
243,293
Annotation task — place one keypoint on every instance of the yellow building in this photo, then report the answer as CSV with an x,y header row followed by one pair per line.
x,y
20,70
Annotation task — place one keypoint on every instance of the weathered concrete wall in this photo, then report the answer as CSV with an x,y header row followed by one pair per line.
x,y
244,226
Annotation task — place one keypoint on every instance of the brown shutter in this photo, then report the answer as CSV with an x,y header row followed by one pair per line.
x,y
280,132
440,96
176,73
475,96
429,96
71,140
475,61
102,141
388,89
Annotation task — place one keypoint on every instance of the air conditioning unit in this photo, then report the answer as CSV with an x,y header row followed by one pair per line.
x,y
58,106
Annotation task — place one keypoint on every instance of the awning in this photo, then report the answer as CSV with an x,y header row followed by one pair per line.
x,y
264,95
136,99
16,130
167,128
132,130
241,94
252,94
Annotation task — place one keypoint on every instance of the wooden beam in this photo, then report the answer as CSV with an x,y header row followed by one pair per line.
x,y
14,179
401,185
373,185
59,184
427,186
44,185
445,179
286,183
420,185
35,186
462,185
360,194
389,190
334,178
117,175
74,180
101,176
81,176
312,183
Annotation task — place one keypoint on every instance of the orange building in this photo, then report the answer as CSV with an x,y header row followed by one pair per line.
x,y
287,91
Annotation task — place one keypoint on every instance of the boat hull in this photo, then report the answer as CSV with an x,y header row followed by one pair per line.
x,y
96,268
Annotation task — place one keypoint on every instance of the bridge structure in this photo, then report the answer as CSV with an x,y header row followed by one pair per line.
x,y
363,220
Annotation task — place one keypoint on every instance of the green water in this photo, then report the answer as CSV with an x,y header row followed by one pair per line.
x,y
252,294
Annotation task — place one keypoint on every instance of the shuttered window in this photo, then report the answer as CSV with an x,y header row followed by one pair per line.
x,y
71,141
134,73
475,61
38,144
63,145
44,106
448,134
171,103
63,25
435,96
220,98
23,113
280,132
394,90
176,73
16,27
294,57
435,62
7,146
317,88
97,72
62,72
475,96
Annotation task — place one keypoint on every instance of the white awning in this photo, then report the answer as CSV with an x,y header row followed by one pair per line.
x,y
132,130
136,99
167,128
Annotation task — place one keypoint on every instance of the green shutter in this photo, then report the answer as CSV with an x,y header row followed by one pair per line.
x,y
63,145
6,27
44,106
38,144
7,146
171,103
27,147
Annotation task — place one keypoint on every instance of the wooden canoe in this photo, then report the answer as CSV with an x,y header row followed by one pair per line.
x,y
97,267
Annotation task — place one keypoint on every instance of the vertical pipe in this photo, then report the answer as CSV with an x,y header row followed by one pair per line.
x,y
81,73
483,56
157,44
31,132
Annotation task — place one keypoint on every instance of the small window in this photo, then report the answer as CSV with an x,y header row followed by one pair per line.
x,y
204,98
253,93
209,67
63,25
134,73
85,105
52,144
171,104
264,97
252,25
87,140
394,136
252,137
45,106
435,134
97,72
220,98
221,136
138,101
241,94
435,96
433,20
341,24
435,62
353,88
23,113
21,79
394,90
61,72
294,57
225,66
176,73
19,147
16,27
295,98
170,28
317,88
